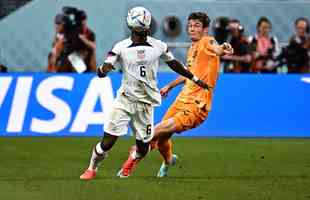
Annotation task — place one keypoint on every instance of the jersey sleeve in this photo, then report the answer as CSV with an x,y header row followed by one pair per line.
x,y
210,58
210,45
166,53
113,55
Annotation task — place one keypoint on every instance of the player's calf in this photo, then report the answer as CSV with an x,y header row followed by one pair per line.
x,y
98,154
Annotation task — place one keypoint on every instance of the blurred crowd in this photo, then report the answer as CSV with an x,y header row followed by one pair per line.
x,y
261,52
74,46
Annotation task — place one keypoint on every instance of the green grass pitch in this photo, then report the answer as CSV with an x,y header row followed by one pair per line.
x,y
209,168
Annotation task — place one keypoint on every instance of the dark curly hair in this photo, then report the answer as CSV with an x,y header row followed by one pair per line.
x,y
202,17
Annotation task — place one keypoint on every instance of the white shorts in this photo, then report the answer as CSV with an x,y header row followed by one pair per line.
x,y
127,112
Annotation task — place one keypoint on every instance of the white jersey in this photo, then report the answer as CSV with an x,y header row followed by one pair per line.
x,y
140,65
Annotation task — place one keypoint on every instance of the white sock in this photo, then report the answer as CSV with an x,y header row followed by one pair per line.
x,y
95,158
135,155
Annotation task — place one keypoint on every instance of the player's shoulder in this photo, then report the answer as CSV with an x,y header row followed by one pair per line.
x,y
207,42
155,42
123,43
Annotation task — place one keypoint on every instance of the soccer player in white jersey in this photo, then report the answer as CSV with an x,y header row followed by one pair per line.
x,y
139,57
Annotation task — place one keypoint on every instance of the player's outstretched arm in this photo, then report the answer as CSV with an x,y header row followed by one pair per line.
x,y
165,90
104,69
176,66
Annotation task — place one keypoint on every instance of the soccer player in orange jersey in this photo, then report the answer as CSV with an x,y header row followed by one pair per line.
x,y
193,104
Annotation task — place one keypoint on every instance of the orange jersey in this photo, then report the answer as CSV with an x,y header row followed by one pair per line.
x,y
205,64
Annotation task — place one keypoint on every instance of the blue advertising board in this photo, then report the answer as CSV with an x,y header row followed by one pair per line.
x,y
43,104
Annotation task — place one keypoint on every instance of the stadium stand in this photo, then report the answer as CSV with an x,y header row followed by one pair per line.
x,y
24,47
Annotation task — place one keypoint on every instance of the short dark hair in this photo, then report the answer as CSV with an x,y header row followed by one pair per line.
x,y
234,21
83,15
202,17
305,20
59,19
240,27
261,20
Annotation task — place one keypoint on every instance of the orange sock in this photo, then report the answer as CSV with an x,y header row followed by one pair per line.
x,y
165,149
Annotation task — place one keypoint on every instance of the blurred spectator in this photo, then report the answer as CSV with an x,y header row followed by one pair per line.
x,y
57,43
264,48
88,37
239,62
220,29
3,69
74,47
296,53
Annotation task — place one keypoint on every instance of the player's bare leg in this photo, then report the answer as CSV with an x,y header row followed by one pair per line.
x,y
98,154
164,132
136,154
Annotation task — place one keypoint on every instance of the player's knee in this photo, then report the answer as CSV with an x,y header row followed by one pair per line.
x,y
166,126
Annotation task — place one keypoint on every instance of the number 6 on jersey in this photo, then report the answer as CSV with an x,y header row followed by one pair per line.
x,y
142,71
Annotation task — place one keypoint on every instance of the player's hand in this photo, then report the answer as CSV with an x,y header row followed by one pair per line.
x,y
227,49
103,70
164,91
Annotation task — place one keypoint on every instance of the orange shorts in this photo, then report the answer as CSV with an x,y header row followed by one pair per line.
x,y
186,116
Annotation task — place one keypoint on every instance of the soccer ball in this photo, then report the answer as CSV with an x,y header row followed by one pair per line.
x,y
139,17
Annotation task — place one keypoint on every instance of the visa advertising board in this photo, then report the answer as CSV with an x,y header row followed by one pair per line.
x,y
44,104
